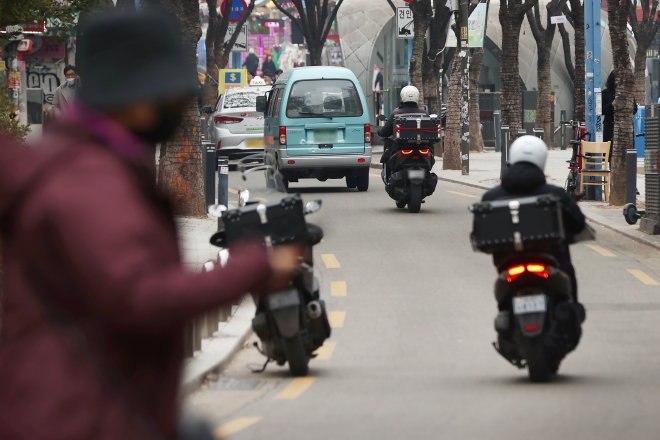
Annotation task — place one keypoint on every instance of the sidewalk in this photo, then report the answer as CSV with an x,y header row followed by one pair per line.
x,y
485,172
217,351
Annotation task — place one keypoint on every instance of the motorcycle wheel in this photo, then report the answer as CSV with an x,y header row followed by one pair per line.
x,y
296,356
538,366
351,182
401,205
416,197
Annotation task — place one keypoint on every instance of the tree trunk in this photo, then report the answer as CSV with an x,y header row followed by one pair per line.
x,y
211,84
476,137
640,73
315,53
180,167
623,129
451,159
577,13
510,71
544,105
422,13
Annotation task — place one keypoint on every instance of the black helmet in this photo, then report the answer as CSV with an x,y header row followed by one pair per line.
x,y
127,58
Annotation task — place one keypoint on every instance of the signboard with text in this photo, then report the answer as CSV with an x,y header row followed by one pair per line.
x,y
405,26
241,44
231,78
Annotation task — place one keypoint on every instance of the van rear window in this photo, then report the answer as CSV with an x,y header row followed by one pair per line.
x,y
323,98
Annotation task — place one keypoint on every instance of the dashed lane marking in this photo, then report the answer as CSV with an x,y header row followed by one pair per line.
x,y
604,252
330,261
324,353
643,277
235,426
462,194
338,288
337,319
297,386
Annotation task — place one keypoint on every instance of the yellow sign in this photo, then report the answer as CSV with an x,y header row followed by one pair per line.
x,y
231,78
3,66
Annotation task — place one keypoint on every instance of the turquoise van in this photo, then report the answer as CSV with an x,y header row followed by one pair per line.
x,y
316,126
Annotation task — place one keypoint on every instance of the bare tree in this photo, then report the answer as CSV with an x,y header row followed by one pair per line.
x,y
422,15
217,49
432,62
575,16
544,37
314,20
476,64
618,12
644,32
512,14
451,159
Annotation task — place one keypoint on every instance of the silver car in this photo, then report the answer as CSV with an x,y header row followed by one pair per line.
x,y
235,127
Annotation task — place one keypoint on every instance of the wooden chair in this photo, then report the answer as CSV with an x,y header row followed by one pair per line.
x,y
589,150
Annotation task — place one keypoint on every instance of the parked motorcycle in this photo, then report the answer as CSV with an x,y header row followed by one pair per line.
x,y
538,322
410,179
292,323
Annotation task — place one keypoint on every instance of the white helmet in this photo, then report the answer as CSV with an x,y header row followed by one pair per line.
x,y
409,94
529,149
257,81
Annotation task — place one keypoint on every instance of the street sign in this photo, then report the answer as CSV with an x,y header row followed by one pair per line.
x,y
237,10
231,78
241,44
405,27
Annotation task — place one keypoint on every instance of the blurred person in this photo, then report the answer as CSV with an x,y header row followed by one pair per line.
x,y
269,67
95,294
67,92
251,62
268,79
250,76
280,72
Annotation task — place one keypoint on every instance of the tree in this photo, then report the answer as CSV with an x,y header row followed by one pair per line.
x,y
422,15
432,61
644,32
217,49
544,37
575,16
617,14
512,14
315,18
476,63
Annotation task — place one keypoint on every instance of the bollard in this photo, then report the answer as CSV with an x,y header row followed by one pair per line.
x,y
631,176
203,128
497,119
210,166
522,133
223,184
539,133
564,142
505,149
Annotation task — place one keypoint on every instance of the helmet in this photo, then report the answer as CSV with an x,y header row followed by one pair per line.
x,y
409,94
257,81
529,149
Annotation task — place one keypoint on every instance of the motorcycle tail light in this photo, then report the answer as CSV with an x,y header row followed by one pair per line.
x,y
531,327
425,152
537,269
367,133
514,272
282,135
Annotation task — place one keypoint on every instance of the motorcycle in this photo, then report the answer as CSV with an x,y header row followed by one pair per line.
x,y
411,179
538,322
291,323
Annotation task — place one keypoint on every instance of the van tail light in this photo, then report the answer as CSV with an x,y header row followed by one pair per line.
x,y
403,153
217,147
367,133
425,152
282,135
537,269
397,130
227,120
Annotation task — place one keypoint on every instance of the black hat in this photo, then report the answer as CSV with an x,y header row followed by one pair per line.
x,y
127,58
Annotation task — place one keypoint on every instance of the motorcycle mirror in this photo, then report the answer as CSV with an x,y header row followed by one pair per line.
x,y
243,198
313,206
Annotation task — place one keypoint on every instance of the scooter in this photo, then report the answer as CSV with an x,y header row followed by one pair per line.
x,y
411,179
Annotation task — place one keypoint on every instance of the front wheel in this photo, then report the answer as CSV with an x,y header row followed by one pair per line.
x,y
416,197
537,364
296,356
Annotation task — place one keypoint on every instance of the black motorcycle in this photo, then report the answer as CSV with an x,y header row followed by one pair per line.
x,y
538,322
291,323
407,175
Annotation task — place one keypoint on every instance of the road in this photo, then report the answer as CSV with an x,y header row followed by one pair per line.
x,y
411,357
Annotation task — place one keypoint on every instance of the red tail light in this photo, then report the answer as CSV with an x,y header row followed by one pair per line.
x,y
514,272
397,130
361,160
403,153
535,268
425,152
282,135
226,120
217,147
531,327
367,133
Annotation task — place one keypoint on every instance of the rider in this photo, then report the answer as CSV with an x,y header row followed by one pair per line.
x,y
409,97
525,177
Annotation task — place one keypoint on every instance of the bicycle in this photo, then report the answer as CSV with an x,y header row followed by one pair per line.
x,y
572,185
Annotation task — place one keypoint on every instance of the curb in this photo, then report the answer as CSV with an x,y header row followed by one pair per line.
x,y
220,350
587,214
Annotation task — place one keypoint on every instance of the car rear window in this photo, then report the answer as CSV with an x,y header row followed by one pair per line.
x,y
241,99
323,98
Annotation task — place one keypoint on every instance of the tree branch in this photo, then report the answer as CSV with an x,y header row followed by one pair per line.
x,y
534,26
566,44
230,43
392,5
332,18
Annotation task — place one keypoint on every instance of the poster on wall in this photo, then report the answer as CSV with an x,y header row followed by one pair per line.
x,y
14,80
43,76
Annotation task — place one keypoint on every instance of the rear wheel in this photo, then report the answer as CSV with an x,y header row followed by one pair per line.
x,y
351,182
296,356
363,181
537,364
415,198
401,205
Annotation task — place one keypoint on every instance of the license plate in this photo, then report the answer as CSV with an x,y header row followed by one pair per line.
x,y
416,174
528,304
259,143
325,136
280,300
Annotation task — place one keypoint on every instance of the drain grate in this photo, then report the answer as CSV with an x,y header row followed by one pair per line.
x,y
229,383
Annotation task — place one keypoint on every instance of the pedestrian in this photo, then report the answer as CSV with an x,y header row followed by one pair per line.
x,y
278,73
250,76
66,93
269,66
96,296
251,62
268,79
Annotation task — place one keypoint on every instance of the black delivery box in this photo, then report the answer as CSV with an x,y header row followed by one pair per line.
x,y
283,221
416,127
528,223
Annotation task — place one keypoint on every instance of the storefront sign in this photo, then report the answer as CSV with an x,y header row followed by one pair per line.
x,y
38,27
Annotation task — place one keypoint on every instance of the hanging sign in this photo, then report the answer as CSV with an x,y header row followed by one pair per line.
x,y
558,19
241,44
404,23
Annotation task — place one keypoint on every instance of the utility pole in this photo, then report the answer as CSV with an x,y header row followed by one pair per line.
x,y
593,70
463,13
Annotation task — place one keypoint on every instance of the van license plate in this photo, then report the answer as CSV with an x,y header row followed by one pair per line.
x,y
528,304
325,136
259,143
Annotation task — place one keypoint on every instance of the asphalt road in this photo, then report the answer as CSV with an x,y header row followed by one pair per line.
x,y
410,356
